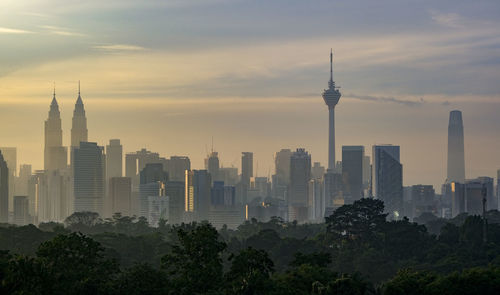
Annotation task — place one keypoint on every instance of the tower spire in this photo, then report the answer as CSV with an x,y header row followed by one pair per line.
x,y
54,89
78,87
331,64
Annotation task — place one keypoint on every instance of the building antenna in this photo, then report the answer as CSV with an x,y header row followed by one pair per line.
x,y
54,89
78,87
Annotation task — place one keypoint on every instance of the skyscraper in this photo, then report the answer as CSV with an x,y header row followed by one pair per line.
x,y
456,159
176,167
79,132
89,174
352,172
212,165
120,193
246,167
152,183
10,156
281,177
300,175
21,207
197,195
114,156
55,155
4,190
331,97
388,178
175,193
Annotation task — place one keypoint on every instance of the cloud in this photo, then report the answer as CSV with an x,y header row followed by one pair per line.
x,y
119,47
388,99
451,20
62,31
4,30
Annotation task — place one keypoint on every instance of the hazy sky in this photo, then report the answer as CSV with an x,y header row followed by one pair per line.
x,y
170,75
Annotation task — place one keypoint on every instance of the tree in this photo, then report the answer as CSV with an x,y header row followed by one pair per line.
x,y
358,221
82,221
75,264
195,263
315,259
142,279
250,273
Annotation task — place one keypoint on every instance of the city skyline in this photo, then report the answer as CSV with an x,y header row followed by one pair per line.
x,y
244,90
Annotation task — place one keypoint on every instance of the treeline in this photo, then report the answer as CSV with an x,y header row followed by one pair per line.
x,y
356,251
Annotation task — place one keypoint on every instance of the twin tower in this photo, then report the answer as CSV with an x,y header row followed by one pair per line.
x,y
56,155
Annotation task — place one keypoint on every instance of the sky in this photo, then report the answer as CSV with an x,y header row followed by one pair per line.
x,y
172,75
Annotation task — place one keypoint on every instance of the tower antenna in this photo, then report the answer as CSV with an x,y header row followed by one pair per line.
x,y
78,87
331,64
54,89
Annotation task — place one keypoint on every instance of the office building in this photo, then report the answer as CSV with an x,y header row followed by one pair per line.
x,y
352,172
120,195
197,195
388,178
246,168
10,156
176,167
175,191
89,177
423,200
55,155
152,183
4,190
114,158
281,177
79,132
456,158
21,210
300,175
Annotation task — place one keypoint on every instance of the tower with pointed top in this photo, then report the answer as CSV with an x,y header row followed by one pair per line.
x,y
79,132
55,155
331,97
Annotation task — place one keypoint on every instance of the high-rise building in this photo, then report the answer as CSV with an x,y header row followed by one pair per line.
x,y
79,132
212,165
367,175
456,159
21,207
352,172
300,175
135,163
317,171
281,177
223,207
4,190
197,195
498,188
331,97
22,180
120,194
55,155
10,156
54,203
423,200
89,177
175,193
176,167
229,175
152,183
246,168
114,157
388,178
316,200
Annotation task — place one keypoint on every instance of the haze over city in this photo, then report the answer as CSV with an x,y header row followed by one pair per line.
x,y
170,76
